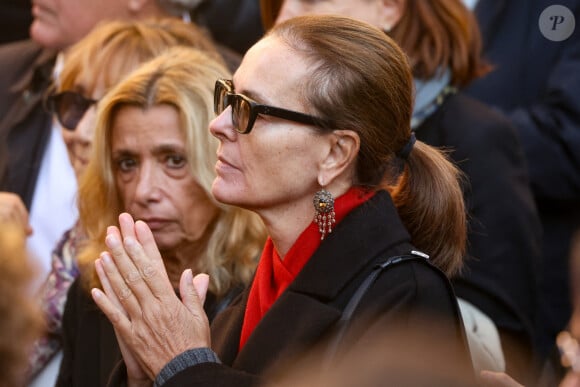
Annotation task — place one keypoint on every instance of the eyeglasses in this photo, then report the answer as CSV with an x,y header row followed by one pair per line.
x,y
69,107
245,111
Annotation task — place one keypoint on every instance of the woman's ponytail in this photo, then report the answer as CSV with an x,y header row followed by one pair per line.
x,y
429,199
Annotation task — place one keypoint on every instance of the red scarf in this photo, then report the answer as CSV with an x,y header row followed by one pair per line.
x,y
274,274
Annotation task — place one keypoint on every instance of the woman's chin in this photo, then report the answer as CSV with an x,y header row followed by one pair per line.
x,y
165,241
221,193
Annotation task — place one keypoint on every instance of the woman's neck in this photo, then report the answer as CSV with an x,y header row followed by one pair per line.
x,y
286,223
187,256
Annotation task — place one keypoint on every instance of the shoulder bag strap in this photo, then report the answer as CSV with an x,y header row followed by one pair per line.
x,y
352,304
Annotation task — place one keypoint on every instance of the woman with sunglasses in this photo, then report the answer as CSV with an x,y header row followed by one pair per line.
x,y
94,66
314,137
498,289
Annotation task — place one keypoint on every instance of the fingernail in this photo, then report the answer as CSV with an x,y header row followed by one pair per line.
x,y
129,241
96,293
112,241
106,257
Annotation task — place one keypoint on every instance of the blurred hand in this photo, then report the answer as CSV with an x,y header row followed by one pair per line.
x,y
497,379
13,210
151,321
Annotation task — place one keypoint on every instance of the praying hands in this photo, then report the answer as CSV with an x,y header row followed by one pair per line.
x,y
151,323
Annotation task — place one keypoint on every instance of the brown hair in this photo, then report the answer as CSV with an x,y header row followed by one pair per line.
x,y
183,78
361,80
434,34
441,34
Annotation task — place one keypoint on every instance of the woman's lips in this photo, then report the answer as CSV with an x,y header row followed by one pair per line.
x,y
223,165
156,224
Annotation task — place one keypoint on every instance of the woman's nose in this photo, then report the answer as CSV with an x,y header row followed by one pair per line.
x,y
222,126
86,126
149,184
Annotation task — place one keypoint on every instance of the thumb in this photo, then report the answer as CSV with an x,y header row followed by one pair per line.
x,y
193,290
201,284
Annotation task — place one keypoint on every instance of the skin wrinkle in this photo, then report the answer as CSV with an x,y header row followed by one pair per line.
x,y
133,276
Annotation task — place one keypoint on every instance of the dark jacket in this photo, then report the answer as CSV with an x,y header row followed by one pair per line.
x,y
504,235
413,292
238,28
536,82
90,349
25,126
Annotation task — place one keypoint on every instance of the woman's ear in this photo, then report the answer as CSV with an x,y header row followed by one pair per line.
x,y
391,13
344,148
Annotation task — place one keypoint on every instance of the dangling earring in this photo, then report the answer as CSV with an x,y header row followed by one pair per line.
x,y
324,207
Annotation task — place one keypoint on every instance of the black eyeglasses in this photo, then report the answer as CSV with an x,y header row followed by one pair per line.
x,y
245,111
69,107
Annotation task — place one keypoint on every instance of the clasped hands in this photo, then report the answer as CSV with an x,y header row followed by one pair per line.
x,y
151,323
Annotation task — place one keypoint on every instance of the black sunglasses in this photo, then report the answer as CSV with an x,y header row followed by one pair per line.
x,y
245,110
69,107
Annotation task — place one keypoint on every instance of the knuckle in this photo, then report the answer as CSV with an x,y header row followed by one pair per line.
x,y
125,293
132,276
148,271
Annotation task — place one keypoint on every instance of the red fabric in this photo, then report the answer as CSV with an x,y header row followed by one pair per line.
x,y
274,274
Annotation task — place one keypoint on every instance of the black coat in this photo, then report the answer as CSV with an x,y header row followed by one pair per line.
x,y
309,308
504,235
25,126
90,349
536,82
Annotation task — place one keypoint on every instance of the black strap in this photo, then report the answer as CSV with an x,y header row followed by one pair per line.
x,y
352,304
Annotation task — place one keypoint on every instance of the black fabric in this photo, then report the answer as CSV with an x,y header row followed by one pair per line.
x,y
536,83
306,312
24,124
15,20
352,305
235,24
504,233
90,349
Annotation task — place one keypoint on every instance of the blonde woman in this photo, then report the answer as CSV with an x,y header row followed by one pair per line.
x,y
93,66
154,158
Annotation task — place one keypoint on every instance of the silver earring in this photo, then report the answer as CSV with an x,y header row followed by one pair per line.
x,y
325,216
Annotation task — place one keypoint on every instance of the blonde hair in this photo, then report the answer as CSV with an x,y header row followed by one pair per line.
x,y
21,320
115,48
182,78
360,79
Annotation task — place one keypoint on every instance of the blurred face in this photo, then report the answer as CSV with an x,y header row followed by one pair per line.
x,y
79,138
154,179
58,24
275,166
370,11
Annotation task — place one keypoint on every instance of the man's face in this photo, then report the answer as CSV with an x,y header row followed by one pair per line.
x,y
369,11
58,24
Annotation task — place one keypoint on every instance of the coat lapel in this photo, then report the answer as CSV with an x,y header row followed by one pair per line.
x,y
305,311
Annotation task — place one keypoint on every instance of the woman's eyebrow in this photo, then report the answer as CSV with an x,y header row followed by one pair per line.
x,y
255,95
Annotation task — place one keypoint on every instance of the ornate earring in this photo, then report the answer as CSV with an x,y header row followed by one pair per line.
x,y
324,207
